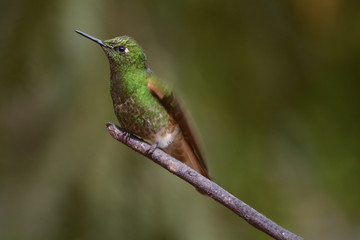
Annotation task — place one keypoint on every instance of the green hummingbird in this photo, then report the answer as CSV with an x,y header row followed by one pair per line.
x,y
146,107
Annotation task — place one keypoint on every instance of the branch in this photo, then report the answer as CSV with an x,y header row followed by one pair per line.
x,y
203,184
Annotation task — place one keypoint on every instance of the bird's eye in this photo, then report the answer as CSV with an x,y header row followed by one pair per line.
x,y
120,49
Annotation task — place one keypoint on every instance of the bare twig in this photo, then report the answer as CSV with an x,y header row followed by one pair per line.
x,y
204,185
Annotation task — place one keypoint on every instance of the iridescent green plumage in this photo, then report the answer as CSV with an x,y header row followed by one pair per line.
x,y
146,107
138,111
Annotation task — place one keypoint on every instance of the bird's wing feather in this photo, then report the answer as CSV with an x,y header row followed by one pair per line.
x,y
171,104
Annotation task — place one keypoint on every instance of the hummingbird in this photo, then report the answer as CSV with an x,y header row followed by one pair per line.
x,y
145,106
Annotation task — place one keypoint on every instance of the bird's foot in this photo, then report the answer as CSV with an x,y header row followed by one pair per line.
x,y
126,136
151,150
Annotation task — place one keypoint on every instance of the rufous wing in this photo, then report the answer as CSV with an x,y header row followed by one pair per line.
x,y
185,148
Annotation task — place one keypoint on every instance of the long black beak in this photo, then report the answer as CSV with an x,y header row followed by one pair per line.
x,y
91,38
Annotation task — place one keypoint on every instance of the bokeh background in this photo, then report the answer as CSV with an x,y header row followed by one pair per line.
x,y
273,87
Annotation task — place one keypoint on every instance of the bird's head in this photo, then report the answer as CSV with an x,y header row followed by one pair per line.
x,y
123,52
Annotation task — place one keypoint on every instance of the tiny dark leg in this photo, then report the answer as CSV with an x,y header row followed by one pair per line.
x,y
151,150
126,136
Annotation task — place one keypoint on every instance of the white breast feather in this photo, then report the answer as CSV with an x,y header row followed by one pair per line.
x,y
164,140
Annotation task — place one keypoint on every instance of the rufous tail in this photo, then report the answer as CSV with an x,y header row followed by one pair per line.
x,y
181,150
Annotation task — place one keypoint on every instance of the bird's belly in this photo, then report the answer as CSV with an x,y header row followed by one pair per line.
x,y
165,138
145,122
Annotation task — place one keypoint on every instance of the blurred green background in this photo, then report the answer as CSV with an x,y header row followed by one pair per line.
x,y
273,87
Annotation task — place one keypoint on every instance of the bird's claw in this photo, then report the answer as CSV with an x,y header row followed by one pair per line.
x,y
151,150
126,136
